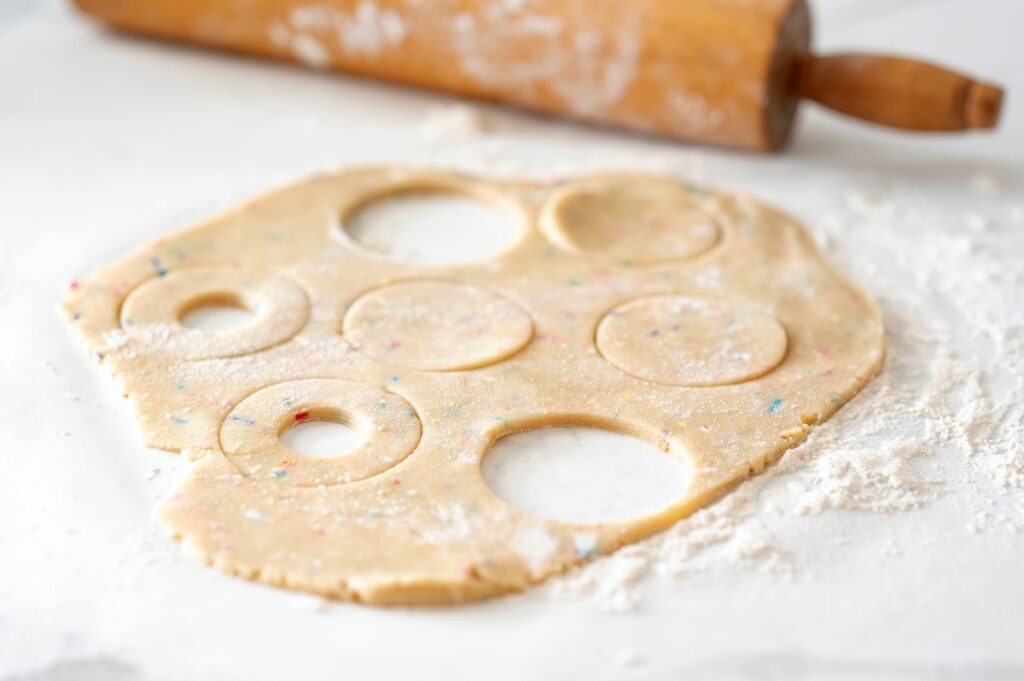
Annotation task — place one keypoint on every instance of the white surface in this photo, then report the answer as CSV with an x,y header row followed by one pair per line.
x,y
322,438
216,317
106,142
433,228
583,475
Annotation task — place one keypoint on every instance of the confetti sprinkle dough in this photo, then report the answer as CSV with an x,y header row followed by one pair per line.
x,y
704,323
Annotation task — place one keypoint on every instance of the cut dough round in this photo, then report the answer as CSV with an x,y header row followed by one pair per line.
x,y
250,435
691,341
152,313
631,220
436,326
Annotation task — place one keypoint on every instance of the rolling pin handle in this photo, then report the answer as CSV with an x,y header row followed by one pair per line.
x,y
982,106
899,92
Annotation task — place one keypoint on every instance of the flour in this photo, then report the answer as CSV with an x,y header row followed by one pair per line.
x,y
694,110
628,657
310,51
985,183
586,68
453,121
312,29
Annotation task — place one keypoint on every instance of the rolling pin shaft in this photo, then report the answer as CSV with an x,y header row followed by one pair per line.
x,y
727,73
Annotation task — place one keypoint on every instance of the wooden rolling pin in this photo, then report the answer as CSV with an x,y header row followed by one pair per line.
x,y
710,71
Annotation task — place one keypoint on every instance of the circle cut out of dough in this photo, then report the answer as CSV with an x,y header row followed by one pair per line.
x,y
691,341
155,309
630,220
583,474
433,226
251,434
436,326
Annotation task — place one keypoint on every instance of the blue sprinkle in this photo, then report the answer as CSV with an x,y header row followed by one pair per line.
x,y
278,473
245,420
180,420
774,406
158,266
588,552
396,378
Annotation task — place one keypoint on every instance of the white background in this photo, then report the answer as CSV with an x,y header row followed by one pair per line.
x,y
107,141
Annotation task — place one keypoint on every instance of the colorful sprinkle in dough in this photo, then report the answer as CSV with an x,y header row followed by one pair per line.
x,y
631,303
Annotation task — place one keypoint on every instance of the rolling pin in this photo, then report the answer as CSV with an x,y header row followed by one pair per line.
x,y
710,71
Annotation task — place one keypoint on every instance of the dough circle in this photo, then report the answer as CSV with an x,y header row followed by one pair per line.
x,y
250,435
691,341
436,326
630,220
156,307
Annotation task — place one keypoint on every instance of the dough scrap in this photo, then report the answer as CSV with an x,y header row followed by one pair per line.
x,y
769,342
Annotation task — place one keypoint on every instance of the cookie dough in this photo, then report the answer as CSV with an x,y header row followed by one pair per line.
x,y
705,323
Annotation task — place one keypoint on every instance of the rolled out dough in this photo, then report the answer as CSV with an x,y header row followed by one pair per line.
x,y
702,322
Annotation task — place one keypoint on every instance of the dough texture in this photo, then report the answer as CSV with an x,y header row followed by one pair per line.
x,y
705,323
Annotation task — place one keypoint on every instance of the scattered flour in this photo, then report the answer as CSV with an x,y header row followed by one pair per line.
x,y
694,110
563,59
311,30
628,657
453,121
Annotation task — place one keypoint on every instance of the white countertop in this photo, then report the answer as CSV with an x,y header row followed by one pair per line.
x,y
890,546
